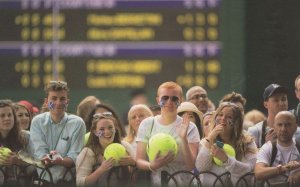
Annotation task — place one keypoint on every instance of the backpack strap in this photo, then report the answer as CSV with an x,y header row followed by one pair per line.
x,y
274,151
298,146
263,133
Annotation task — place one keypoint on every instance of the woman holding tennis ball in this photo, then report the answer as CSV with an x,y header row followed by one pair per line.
x,y
169,97
226,136
91,166
12,139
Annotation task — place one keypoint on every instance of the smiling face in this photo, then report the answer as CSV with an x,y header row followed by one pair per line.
x,y
23,117
6,120
225,118
57,102
105,130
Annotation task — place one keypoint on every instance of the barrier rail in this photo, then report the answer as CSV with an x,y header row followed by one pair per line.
x,y
125,176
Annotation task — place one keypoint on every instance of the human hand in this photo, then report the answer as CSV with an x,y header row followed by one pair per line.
x,y
9,160
183,129
292,165
160,161
127,160
270,135
107,164
294,178
218,129
219,153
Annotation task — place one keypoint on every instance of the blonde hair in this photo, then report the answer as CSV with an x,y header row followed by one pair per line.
x,y
254,116
131,133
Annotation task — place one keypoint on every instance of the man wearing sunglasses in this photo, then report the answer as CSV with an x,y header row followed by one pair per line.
x,y
57,137
169,96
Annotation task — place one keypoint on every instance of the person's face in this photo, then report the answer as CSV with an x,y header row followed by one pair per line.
x,y
23,118
6,119
106,128
199,98
206,124
191,116
225,118
57,101
136,117
297,89
285,127
276,103
170,99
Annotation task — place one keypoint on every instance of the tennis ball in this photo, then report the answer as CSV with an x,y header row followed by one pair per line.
x,y
86,138
229,150
115,151
4,151
161,142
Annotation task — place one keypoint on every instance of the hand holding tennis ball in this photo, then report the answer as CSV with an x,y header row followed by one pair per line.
x,y
4,151
228,149
115,151
161,142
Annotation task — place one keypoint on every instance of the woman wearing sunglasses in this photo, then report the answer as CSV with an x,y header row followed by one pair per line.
x,y
228,129
91,167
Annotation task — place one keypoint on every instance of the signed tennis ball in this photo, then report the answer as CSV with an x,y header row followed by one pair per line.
x,y
229,150
4,151
161,142
115,151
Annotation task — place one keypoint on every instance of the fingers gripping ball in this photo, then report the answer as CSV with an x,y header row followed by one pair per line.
x,y
4,151
115,151
161,142
229,150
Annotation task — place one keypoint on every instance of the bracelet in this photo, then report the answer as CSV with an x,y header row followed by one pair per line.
x,y
149,166
279,168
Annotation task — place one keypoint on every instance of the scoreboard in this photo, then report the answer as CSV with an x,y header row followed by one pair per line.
x,y
108,48
108,44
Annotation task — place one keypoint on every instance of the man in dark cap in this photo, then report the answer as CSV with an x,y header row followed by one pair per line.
x,y
275,100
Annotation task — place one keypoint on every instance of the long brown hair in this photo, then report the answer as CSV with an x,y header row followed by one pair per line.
x,y
93,141
239,140
15,139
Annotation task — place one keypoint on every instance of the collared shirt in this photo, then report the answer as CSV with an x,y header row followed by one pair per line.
x,y
66,137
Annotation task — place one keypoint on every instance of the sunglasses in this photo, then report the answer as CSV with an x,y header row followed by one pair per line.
x,y
198,97
174,99
102,115
62,83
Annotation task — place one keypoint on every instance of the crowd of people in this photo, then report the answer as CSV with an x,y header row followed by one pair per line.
x,y
265,147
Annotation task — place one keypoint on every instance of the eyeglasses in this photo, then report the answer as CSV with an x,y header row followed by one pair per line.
x,y
198,96
102,115
165,98
62,83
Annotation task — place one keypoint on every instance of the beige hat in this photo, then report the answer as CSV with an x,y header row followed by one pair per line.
x,y
189,107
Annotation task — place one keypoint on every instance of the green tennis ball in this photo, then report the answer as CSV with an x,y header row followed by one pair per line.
x,y
161,142
86,138
115,151
229,150
4,151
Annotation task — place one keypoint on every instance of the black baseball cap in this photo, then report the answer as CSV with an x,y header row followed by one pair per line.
x,y
272,89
